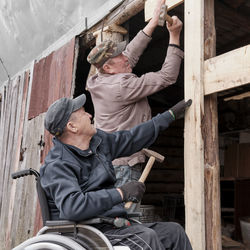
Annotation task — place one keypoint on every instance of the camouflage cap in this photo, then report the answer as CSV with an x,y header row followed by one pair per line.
x,y
104,51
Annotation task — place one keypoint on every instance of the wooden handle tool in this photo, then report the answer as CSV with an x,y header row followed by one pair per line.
x,y
152,157
164,16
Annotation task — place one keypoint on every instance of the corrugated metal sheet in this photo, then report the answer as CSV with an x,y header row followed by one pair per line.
x,y
52,79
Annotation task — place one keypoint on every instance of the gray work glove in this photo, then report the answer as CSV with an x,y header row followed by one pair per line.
x,y
178,109
133,191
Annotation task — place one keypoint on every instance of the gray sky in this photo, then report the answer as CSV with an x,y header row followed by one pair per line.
x,y
28,27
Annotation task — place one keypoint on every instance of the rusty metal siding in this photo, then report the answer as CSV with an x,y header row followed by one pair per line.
x,y
52,79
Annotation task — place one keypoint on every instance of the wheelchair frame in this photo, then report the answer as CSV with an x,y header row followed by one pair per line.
x,y
63,234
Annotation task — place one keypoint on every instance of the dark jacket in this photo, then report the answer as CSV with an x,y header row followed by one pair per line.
x,y
79,184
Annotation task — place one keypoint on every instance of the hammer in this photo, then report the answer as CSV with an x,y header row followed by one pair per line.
x,y
164,16
152,157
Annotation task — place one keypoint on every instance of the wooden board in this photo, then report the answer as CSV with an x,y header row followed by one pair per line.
x,y
227,71
150,6
236,161
26,209
12,119
230,244
211,142
193,141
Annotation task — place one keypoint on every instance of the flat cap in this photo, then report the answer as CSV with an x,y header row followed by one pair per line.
x,y
104,51
59,113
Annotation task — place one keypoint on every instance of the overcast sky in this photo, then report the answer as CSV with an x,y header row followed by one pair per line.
x,y
28,27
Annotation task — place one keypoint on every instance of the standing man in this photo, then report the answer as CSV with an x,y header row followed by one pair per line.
x,y
120,97
78,177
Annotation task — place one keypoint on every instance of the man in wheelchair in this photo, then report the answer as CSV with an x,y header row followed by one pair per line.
x,y
78,177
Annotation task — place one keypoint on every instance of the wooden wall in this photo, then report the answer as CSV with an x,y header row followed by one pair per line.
x,y
23,141
166,180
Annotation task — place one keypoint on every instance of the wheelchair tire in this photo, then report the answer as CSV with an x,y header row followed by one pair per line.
x,y
50,242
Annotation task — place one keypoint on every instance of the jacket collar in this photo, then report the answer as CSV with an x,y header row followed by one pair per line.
x,y
94,144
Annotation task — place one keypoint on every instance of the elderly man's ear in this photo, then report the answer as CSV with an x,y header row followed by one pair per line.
x,y
71,127
106,67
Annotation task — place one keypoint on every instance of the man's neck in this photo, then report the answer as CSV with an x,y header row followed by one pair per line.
x,y
81,142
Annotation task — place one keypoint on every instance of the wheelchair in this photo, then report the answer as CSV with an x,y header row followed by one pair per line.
x,y
67,235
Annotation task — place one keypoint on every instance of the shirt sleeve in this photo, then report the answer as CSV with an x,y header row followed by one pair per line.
x,y
136,47
134,88
61,181
127,142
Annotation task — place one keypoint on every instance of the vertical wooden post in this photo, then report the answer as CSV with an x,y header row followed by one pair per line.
x,y
210,136
193,143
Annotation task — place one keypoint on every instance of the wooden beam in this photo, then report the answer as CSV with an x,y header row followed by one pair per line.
x,y
238,97
227,71
193,141
121,14
118,16
111,29
150,6
211,143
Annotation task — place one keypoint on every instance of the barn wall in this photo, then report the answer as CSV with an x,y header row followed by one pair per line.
x,y
23,141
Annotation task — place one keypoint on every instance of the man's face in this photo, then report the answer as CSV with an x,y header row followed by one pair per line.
x,y
118,64
82,121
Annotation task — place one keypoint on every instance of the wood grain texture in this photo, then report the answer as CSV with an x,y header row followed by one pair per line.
x,y
227,71
193,141
211,144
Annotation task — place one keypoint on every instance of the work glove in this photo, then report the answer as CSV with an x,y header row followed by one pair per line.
x,y
133,191
177,111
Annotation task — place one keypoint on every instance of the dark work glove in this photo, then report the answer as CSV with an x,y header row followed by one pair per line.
x,y
133,191
179,108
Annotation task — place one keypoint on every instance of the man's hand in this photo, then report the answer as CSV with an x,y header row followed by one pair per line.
x,y
150,27
154,20
178,109
174,30
132,191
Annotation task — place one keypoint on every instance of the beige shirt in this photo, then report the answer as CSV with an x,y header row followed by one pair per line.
x,y
120,100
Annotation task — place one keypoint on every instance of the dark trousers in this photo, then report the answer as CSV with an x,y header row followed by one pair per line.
x,y
153,236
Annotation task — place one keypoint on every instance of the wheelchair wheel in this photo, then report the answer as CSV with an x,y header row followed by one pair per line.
x,y
49,242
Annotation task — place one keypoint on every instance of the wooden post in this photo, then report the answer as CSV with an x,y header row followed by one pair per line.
x,y
211,145
193,141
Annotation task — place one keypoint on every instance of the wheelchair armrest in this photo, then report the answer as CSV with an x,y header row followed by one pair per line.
x,y
134,214
53,223
91,221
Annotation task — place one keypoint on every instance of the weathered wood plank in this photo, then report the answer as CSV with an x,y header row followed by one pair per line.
x,y
165,175
193,142
26,208
8,150
10,167
227,71
158,198
22,96
211,144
